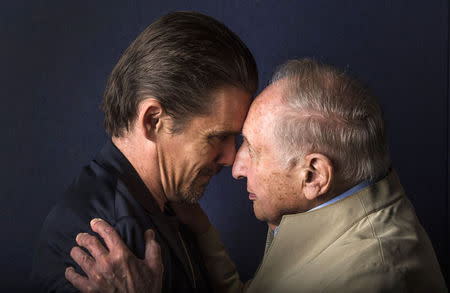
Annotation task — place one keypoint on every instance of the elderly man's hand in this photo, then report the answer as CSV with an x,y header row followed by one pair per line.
x,y
115,268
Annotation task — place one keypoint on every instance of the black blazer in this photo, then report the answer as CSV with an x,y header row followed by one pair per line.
x,y
110,188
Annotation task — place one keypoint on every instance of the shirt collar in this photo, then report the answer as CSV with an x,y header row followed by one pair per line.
x,y
349,192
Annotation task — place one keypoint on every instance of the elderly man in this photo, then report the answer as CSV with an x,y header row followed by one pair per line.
x,y
173,105
318,172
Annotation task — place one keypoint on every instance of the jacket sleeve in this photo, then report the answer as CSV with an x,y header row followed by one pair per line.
x,y
221,269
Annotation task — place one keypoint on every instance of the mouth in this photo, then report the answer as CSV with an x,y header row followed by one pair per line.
x,y
251,196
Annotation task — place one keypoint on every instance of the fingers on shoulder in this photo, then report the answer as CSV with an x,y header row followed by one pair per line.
x,y
108,233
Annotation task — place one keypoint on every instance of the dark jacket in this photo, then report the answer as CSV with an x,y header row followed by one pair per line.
x,y
110,188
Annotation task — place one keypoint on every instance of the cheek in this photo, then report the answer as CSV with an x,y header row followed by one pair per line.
x,y
271,183
283,185
196,156
269,191
193,156
208,152
279,193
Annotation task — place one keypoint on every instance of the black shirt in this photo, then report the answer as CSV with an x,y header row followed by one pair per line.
x,y
110,188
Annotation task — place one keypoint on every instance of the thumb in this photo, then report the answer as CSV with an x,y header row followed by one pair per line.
x,y
153,257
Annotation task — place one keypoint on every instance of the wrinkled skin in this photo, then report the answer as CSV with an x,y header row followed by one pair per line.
x,y
115,268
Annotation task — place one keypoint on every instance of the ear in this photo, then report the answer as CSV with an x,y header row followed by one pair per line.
x,y
149,122
318,175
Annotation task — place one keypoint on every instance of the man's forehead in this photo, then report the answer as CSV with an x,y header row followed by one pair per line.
x,y
263,108
256,123
228,111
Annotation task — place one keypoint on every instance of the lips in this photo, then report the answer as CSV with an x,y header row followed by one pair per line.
x,y
251,196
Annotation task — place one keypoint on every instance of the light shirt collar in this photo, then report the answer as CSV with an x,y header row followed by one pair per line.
x,y
349,192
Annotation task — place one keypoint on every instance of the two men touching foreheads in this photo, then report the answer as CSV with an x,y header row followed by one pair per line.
x,y
314,154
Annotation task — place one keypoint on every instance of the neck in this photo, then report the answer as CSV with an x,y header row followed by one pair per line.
x,y
141,155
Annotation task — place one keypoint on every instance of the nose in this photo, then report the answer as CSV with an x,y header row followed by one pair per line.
x,y
240,163
228,153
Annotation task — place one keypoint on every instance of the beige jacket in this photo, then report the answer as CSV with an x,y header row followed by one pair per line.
x,y
370,241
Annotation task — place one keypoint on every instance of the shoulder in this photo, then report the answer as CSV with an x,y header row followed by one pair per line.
x,y
91,194
386,250
95,192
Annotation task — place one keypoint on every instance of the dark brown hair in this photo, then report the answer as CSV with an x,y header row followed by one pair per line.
x,y
180,59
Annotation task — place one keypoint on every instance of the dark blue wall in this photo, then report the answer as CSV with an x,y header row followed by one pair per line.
x,y
55,57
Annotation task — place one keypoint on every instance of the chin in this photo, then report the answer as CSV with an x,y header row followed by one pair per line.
x,y
259,216
266,218
192,195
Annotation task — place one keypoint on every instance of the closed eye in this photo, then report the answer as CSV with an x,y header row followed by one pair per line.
x,y
221,136
217,137
247,145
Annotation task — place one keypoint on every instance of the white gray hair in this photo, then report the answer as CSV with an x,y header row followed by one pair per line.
x,y
326,111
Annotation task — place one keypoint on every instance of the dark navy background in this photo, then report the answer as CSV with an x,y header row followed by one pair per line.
x,y
55,57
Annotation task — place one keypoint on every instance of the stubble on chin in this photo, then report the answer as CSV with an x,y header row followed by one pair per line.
x,y
192,194
197,188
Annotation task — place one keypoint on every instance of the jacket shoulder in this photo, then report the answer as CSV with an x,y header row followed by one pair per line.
x,y
92,194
